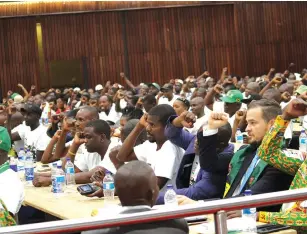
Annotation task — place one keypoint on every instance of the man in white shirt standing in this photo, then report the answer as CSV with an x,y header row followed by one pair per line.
x,y
197,108
107,110
168,95
35,137
163,156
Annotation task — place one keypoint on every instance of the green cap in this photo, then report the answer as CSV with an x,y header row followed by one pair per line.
x,y
233,96
5,140
301,89
14,95
155,85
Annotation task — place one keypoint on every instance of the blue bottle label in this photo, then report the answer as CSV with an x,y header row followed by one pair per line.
x,y
70,170
108,185
14,167
29,174
303,140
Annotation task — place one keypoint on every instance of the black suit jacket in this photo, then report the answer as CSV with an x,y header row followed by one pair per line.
x,y
270,180
174,226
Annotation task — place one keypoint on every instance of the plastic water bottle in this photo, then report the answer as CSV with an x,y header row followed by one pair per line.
x,y
249,216
70,173
53,172
20,163
170,196
13,163
58,181
239,136
108,187
29,167
303,141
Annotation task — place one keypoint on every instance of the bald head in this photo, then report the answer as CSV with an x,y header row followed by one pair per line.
x,y
288,87
136,184
272,94
197,106
17,119
252,88
89,112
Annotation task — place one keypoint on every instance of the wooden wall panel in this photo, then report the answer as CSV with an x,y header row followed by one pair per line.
x,y
12,9
248,38
18,54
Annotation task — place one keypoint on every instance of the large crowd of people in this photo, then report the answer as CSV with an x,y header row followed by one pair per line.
x,y
181,133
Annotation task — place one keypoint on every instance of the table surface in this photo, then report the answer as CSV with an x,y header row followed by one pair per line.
x,y
70,205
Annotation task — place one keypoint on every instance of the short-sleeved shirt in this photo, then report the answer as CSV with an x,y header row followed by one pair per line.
x,y
165,162
36,139
86,161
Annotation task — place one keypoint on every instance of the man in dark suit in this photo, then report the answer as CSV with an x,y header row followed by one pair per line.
x,y
137,189
246,169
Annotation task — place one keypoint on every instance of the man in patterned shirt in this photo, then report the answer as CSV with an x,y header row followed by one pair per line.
x,y
289,161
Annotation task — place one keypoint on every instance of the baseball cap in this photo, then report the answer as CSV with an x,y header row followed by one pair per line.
x,y
155,85
98,87
301,89
18,99
167,87
31,108
179,81
5,140
233,96
252,97
77,89
14,95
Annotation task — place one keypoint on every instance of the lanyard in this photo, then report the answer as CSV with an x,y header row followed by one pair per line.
x,y
248,172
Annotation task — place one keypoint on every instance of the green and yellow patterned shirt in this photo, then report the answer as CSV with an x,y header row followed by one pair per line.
x,y
292,162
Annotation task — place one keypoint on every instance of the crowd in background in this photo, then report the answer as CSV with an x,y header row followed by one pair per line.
x,y
184,130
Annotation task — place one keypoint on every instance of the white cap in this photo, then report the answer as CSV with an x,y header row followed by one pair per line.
x,y
179,81
298,76
98,87
18,99
77,89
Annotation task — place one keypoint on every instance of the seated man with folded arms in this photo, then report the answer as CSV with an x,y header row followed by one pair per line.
x,y
95,155
163,156
289,161
137,189
192,181
11,188
246,170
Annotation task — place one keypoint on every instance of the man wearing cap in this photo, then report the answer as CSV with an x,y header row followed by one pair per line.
x,y
11,188
168,95
232,103
154,89
35,137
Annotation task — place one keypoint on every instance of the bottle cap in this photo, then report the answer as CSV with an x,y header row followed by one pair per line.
x,y
67,159
169,186
248,192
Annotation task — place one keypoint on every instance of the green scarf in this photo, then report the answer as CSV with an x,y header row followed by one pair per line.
x,y
235,165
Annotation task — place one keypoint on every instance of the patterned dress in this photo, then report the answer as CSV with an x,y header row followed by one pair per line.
x,y
289,161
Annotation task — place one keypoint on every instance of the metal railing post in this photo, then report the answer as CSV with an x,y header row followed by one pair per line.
x,y
220,222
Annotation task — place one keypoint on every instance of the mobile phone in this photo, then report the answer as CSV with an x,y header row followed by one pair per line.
x,y
87,189
268,228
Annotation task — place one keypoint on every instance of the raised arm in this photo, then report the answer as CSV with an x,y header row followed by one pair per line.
x,y
126,152
271,150
207,142
48,156
174,129
239,117
128,82
275,81
209,99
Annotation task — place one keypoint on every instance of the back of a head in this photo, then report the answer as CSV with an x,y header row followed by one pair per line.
x,y
100,127
163,111
150,99
224,133
270,108
136,184
127,129
92,111
272,94
253,86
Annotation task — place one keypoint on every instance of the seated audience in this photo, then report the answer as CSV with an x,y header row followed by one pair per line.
x,y
181,105
246,170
